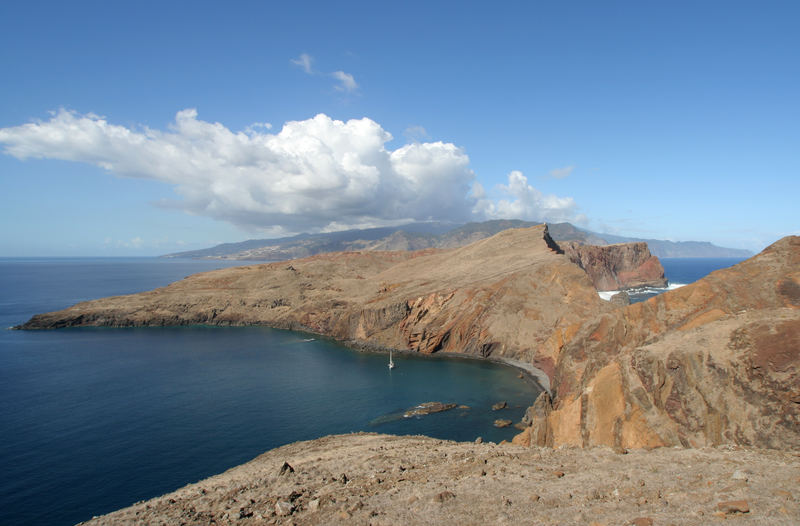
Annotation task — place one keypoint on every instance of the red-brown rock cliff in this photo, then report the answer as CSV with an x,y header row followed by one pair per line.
x,y
714,362
617,267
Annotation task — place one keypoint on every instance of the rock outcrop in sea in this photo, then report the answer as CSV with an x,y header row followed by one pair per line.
x,y
428,408
617,267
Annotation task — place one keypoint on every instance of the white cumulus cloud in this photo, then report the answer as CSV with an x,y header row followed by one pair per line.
x,y
523,201
313,175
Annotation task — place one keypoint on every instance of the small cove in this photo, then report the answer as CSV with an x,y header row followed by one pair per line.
x,y
95,419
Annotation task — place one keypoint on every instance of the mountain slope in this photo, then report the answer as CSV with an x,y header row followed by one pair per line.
x,y
418,236
714,362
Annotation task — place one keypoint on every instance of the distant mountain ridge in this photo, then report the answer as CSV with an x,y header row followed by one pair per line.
x,y
417,236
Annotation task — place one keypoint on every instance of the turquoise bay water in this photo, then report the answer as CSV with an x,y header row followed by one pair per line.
x,y
92,420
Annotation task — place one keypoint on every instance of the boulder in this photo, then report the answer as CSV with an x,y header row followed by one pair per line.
x,y
286,468
283,508
733,506
444,496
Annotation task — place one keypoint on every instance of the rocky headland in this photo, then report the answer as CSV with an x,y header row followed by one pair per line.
x,y
502,297
714,363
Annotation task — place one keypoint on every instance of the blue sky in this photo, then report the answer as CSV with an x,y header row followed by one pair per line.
x,y
151,127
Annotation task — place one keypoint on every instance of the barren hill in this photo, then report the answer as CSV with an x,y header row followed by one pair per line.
x,y
390,480
501,296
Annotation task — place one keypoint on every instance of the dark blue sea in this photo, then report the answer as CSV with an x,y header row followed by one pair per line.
x,y
92,420
679,272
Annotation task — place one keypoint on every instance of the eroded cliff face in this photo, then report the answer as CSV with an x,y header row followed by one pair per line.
x,y
617,267
714,362
501,296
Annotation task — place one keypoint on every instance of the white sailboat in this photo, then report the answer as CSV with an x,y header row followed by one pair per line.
x,y
391,363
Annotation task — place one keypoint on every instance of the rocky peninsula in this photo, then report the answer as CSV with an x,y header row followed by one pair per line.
x,y
501,297
715,363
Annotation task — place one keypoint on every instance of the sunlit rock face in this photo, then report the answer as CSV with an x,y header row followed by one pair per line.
x,y
711,363
617,267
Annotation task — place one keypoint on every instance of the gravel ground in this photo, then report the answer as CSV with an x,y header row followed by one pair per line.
x,y
389,480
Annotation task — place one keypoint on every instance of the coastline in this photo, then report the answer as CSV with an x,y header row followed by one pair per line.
x,y
531,373
732,316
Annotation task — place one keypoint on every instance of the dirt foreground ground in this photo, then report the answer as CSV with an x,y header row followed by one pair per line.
x,y
389,480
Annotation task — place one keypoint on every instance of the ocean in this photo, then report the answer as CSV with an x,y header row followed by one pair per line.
x,y
679,272
93,420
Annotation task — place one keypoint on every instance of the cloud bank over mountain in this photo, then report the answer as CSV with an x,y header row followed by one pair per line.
x,y
313,175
